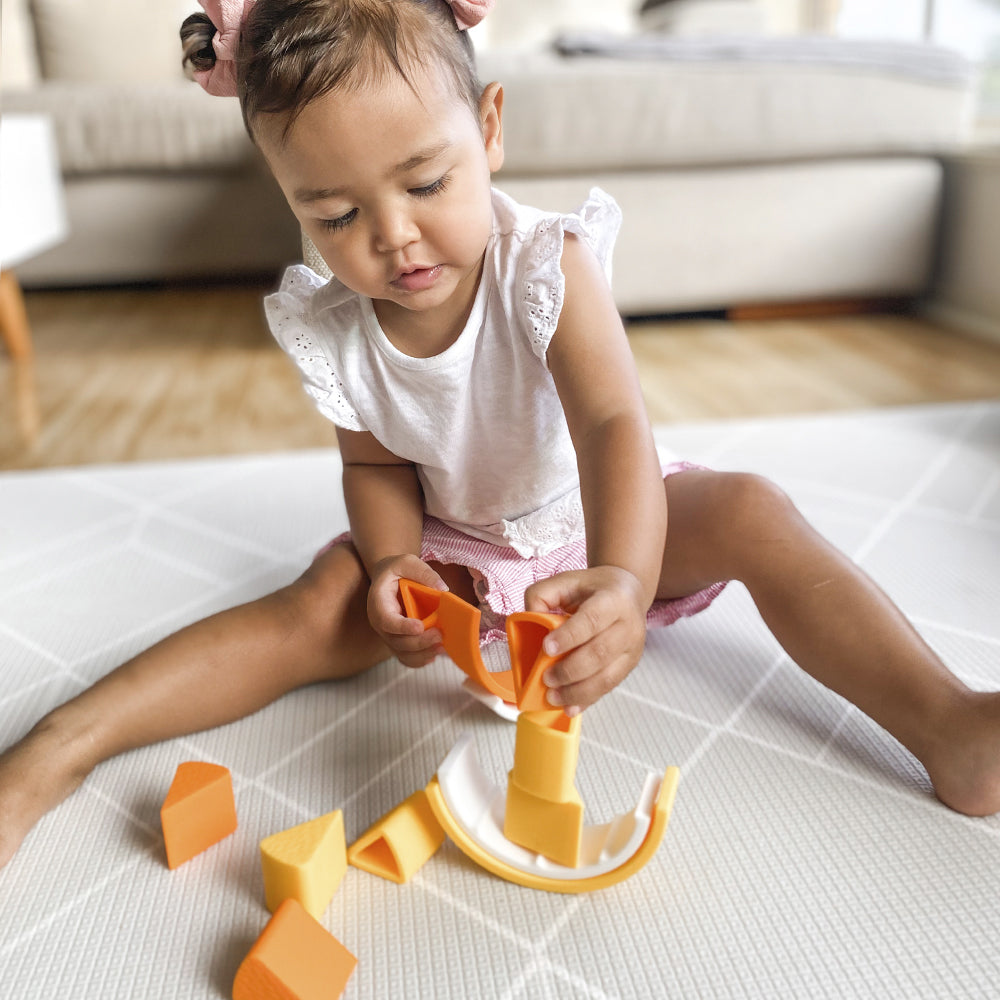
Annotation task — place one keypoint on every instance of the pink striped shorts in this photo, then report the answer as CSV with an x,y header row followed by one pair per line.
x,y
501,576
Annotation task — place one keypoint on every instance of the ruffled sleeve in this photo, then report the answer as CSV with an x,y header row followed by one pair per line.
x,y
299,314
540,283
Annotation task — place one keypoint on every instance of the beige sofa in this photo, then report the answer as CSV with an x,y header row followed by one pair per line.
x,y
768,170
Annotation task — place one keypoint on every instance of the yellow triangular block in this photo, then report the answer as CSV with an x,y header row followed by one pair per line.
x,y
305,863
552,829
399,844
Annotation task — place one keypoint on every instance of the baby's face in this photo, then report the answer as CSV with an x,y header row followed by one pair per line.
x,y
392,184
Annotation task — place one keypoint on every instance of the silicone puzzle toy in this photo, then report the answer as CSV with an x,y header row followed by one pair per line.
x,y
295,958
401,842
306,863
544,811
507,691
199,810
532,833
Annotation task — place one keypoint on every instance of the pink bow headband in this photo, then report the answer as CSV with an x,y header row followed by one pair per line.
x,y
228,17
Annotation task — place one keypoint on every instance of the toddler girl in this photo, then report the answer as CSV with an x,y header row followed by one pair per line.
x,y
491,425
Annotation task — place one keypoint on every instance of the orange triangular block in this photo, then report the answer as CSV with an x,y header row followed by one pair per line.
x,y
399,844
199,810
526,631
420,601
295,958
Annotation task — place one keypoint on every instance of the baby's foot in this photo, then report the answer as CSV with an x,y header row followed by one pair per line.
x,y
36,774
965,772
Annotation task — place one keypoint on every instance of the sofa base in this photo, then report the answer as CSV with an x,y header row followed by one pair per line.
x,y
155,227
698,238
711,238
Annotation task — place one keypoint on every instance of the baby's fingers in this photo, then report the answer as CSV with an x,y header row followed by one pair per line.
x,y
592,618
587,684
415,650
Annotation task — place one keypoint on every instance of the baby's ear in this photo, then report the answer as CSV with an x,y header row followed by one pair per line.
x,y
491,121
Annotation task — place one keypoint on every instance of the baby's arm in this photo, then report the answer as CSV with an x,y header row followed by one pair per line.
x,y
385,508
622,488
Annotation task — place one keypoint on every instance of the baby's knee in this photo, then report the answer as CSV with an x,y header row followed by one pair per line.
x,y
753,512
327,604
756,500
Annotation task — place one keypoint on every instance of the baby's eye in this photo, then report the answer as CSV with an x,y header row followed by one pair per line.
x,y
341,222
428,190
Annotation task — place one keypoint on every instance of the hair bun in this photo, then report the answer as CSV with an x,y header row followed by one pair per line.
x,y
197,33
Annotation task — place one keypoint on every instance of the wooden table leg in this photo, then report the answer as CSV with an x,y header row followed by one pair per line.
x,y
14,329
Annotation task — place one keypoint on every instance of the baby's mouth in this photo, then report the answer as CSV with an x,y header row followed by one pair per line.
x,y
417,279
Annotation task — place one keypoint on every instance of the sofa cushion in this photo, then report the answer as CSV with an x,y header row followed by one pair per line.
x,y
105,127
18,59
524,23
123,42
563,115
721,103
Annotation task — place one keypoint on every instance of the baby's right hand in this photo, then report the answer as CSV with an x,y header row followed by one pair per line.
x,y
406,637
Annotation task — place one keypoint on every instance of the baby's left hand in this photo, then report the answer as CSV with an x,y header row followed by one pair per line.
x,y
603,639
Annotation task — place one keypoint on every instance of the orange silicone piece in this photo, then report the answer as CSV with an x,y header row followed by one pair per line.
x,y
199,810
295,958
526,631
459,624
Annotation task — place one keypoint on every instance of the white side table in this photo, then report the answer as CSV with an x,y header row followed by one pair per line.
x,y
32,214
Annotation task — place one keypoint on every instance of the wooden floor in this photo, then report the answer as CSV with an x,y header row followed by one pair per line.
x,y
176,372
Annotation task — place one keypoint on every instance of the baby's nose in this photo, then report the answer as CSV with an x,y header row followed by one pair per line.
x,y
395,230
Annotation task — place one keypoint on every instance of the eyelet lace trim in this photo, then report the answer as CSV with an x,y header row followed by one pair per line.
x,y
553,526
598,222
290,323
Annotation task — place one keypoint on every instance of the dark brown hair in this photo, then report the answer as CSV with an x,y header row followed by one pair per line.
x,y
292,52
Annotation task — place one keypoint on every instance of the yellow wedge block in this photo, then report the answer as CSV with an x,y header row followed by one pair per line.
x,y
306,863
546,750
544,811
552,829
401,842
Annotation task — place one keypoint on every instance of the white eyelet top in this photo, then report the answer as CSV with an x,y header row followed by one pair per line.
x,y
481,421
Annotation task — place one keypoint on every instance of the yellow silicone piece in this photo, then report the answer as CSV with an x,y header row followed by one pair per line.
x,y
539,879
544,811
306,863
401,842
546,750
552,829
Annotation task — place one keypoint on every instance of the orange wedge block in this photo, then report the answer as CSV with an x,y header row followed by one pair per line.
x,y
199,810
295,958
526,631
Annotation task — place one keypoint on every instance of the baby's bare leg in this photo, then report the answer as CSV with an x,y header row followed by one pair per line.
x,y
210,673
836,624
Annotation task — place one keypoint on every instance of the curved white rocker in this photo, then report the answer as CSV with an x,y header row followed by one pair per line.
x,y
471,809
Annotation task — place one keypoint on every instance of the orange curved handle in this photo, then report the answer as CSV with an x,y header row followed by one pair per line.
x,y
459,624
526,631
